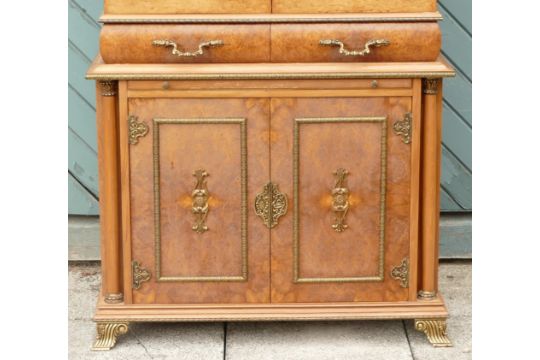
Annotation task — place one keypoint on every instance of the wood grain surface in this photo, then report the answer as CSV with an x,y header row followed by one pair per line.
x,y
217,252
399,70
408,42
186,6
109,182
121,44
345,6
323,148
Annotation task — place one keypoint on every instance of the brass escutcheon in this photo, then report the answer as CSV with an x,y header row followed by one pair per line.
x,y
270,204
403,128
139,274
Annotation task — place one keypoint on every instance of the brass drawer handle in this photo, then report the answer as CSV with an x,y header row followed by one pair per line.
x,y
366,51
175,51
199,198
340,200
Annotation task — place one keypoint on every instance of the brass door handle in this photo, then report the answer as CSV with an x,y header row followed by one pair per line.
x,y
364,52
175,51
199,197
340,200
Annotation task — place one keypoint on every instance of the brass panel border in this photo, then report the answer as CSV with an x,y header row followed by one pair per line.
x,y
270,76
270,20
296,220
275,19
243,185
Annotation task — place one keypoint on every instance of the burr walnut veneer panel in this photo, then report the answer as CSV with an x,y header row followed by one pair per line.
x,y
352,6
187,6
312,138
265,6
228,263
259,43
134,43
407,42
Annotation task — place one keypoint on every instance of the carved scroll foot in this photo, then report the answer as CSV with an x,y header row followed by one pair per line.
x,y
435,330
107,334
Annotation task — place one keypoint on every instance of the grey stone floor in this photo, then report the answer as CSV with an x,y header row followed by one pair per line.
x,y
367,340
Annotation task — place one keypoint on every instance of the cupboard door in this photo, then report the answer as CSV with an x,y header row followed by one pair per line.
x,y
192,174
348,174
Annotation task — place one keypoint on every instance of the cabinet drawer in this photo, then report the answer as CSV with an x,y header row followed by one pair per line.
x,y
230,43
405,42
187,6
352,6
169,86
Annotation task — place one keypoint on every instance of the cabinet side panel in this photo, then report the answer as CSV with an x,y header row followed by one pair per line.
x,y
125,188
101,166
416,141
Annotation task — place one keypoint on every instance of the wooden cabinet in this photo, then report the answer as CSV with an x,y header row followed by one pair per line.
x,y
276,176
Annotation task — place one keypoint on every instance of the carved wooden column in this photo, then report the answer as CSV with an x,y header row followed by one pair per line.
x,y
429,218
109,201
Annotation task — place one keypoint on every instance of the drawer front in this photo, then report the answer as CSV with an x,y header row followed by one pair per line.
x,y
265,6
406,42
352,6
191,181
194,43
171,85
187,6
350,200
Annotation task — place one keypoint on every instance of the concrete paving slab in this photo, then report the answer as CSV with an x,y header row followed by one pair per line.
x,y
266,340
143,340
82,334
190,341
178,341
366,340
83,289
455,282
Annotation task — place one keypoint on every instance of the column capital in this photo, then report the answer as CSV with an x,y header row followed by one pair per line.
x,y
430,86
108,87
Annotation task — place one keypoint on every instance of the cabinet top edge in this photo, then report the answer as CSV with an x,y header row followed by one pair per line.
x,y
268,71
269,18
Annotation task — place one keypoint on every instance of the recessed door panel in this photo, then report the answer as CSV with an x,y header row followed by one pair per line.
x,y
348,173
191,179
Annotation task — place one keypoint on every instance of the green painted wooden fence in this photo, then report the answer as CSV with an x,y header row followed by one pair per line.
x,y
457,125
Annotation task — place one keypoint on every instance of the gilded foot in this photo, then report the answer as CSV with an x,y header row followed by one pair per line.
x,y
435,330
107,334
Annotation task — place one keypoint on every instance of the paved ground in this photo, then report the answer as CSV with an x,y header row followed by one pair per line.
x,y
366,340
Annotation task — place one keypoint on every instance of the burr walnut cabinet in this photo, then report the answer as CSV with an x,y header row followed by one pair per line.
x,y
274,172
